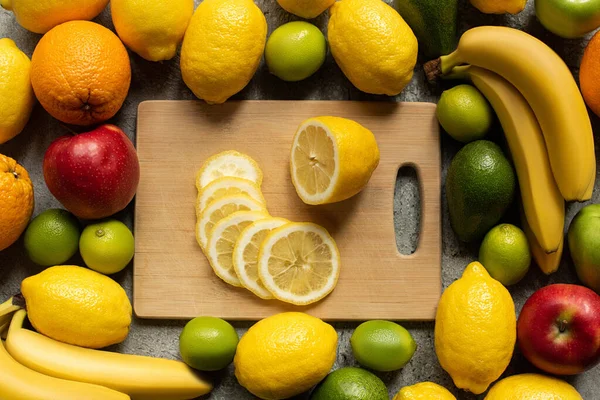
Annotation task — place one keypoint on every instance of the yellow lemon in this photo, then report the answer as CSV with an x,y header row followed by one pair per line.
x,y
424,391
532,387
41,16
284,355
222,48
475,329
373,45
78,306
16,94
152,28
306,8
332,159
499,6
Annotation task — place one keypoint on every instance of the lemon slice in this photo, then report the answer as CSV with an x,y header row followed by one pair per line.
x,y
223,239
228,163
299,263
332,159
219,209
227,186
245,254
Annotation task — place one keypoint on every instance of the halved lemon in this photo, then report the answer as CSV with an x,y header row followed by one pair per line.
x,y
245,254
227,186
219,209
332,159
228,163
222,241
299,263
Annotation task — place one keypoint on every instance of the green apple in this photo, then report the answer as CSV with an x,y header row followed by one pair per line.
x,y
569,18
584,244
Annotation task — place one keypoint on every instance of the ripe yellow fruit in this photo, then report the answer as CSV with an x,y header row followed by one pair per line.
x,y
475,329
424,391
16,201
532,386
152,28
373,45
284,355
307,9
499,6
222,48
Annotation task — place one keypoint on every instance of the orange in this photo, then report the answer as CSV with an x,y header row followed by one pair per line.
x,y
589,74
16,201
80,73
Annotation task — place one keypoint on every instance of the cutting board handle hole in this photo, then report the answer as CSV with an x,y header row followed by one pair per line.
x,y
407,210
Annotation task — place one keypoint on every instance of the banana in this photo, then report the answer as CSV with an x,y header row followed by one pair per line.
x,y
545,81
548,263
543,203
142,378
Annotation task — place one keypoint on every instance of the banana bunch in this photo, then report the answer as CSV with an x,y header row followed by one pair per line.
x,y
544,119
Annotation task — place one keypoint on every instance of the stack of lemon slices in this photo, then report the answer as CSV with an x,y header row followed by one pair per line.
x,y
272,257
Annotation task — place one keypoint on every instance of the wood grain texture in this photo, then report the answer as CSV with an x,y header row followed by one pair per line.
x,y
172,278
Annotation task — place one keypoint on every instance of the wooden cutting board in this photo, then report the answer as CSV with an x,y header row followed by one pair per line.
x,y
173,279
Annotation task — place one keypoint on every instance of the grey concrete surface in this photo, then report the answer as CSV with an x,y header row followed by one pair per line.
x,y
163,81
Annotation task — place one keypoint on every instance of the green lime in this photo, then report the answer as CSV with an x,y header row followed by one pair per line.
x,y
505,254
295,51
350,384
464,113
208,343
52,237
107,246
382,345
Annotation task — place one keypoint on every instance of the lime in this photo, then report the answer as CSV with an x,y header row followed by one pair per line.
x,y
107,246
505,254
208,343
382,345
52,237
350,384
295,51
464,113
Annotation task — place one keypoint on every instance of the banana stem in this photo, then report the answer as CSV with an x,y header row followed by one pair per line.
x,y
440,67
17,321
6,4
8,307
460,72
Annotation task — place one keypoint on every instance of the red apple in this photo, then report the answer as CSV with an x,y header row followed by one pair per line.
x,y
559,329
93,174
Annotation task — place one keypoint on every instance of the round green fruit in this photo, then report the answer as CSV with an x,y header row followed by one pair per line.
x,y
208,343
350,384
584,244
52,237
505,254
107,246
569,18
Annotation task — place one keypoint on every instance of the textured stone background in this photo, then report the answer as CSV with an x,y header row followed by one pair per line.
x,y
153,81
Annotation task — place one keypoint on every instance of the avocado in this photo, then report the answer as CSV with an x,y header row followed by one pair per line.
x,y
480,186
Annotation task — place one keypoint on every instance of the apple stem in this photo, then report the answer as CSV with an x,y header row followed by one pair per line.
x,y
71,131
562,326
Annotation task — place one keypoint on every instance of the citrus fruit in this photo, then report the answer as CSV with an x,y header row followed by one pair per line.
x,y
295,51
226,186
382,345
222,48
589,74
245,254
475,329
16,95
299,263
424,391
152,28
41,16
584,236
16,201
219,209
52,237
499,6
350,384
332,159
107,246
285,355
307,9
93,66
228,163
94,310
505,254
464,113
208,343
222,240
372,45
532,386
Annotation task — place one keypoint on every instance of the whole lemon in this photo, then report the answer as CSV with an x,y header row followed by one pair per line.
x,y
424,391
284,355
373,45
152,28
16,94
532,387
78,306
222,48
307,9
475,329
